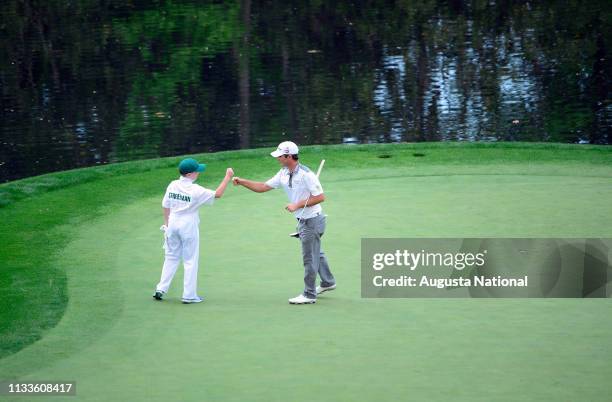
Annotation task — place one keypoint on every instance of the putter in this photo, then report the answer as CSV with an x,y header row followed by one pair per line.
x,y
296,234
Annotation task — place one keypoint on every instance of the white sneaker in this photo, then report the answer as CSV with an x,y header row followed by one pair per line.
x,y
198,299
322,289
301,299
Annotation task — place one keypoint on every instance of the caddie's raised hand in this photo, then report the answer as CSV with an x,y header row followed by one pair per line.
x,y
229,172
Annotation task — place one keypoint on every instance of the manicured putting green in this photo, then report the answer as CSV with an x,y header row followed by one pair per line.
x,y
246,343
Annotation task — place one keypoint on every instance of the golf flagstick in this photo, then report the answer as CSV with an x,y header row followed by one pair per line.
x,y
296,233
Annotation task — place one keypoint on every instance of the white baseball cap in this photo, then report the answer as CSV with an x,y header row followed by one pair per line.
x,y
285,148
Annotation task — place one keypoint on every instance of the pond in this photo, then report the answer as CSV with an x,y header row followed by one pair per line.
x,y
86,83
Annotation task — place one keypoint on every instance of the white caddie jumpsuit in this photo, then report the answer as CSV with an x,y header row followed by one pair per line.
x,y
182,240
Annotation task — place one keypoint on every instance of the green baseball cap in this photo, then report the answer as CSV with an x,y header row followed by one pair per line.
x,y
190,165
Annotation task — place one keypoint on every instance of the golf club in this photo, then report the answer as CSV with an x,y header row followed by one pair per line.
x,y
296,234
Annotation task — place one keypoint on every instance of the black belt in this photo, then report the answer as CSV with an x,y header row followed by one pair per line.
x,y
305,219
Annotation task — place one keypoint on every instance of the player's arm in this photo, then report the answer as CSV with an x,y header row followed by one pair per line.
x,y
308,202
256,186
223,185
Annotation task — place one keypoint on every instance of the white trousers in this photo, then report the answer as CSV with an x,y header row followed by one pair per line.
x,y
182,241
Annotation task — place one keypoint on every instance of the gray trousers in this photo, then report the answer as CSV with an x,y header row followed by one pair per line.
x,y
315,261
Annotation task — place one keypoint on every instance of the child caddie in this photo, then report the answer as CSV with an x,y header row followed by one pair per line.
x,y
181,205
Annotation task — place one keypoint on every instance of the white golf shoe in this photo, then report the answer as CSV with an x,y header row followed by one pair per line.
x,y
198,299
322,289
301,299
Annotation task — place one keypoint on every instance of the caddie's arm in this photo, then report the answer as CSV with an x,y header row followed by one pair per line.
x,y
313,200
166,215
223,185
256,186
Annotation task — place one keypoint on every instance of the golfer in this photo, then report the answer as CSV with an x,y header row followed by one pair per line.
x,y
305,195
181,205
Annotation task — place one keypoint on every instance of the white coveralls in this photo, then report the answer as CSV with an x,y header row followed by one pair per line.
x,y
183,198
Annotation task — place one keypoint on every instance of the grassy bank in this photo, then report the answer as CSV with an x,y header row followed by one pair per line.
x,y
40,213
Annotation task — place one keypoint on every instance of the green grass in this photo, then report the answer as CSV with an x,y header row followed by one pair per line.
x,y
82,252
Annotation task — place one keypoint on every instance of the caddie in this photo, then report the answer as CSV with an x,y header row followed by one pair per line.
x,y
181,205
305,196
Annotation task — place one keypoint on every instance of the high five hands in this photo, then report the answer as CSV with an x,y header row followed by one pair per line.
x,y
260,187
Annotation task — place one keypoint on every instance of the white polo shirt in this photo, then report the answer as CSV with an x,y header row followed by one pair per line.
x,y
303,183
184,198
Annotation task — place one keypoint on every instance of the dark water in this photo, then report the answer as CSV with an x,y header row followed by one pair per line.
x,y
86,82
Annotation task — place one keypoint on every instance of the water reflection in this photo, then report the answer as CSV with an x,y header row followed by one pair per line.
x,y
85,83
